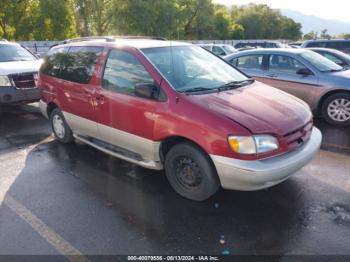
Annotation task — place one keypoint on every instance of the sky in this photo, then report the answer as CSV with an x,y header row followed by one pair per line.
x,y
335,9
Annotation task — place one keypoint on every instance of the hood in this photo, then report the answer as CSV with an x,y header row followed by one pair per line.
x,y
8,68
258,107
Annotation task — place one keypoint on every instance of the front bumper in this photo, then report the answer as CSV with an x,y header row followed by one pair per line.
x,y
12,95
258,174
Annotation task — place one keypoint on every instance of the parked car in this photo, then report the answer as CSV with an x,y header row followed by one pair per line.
x,y
18,73
322,84
295,44
174,106
219,49
342,45
334,55
259,44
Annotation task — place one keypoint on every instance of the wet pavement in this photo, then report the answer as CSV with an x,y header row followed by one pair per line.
x,y
58,199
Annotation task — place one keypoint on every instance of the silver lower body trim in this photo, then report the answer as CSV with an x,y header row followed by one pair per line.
x,y
249,175
149,164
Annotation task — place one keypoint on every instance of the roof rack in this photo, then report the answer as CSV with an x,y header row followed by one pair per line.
x,y
110,38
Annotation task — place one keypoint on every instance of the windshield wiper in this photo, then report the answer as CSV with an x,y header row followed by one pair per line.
x,y
235,84
197,89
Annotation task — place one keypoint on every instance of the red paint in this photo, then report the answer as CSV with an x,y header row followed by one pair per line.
x,y
206,119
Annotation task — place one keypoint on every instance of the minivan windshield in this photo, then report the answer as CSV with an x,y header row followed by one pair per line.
x,y
192,68
321,63
10,53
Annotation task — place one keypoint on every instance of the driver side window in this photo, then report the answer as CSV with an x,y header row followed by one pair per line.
x,y
122,72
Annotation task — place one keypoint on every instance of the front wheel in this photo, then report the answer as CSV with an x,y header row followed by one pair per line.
x,y
60,128
191,172
336,109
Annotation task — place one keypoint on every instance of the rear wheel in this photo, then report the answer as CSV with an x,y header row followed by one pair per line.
x,y
191,172
336,109
60,128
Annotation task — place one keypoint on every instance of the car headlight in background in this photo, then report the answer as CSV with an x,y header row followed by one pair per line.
x,y
256,144
5,81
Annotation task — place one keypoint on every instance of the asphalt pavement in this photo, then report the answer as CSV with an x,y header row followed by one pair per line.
x,y
72,200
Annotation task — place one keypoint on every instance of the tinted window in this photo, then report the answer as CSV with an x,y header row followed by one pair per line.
x,y
249,62
343,46
123,71
79,64
316,44
54,61
285,64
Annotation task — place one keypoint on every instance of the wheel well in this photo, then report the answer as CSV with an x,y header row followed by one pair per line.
x,y
325,96
50,107
168,143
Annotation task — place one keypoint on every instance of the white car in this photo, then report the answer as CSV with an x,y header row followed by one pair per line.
x,y
18,73
220,49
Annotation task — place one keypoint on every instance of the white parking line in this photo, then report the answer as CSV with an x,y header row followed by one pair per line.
x,y
62,246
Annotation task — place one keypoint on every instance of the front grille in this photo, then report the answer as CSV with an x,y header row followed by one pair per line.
x,y
24,80
299,136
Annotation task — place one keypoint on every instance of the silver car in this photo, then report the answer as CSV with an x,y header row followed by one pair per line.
x,y
219,49
321,83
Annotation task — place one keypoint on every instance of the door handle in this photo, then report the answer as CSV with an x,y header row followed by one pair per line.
x,y
272,75
100,99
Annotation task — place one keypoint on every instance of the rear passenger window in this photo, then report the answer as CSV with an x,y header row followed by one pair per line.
x,y
249,62
123,71
79,64
53,62
284,64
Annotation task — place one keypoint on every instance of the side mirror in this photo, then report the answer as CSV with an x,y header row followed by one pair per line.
x,y
304,72
146,90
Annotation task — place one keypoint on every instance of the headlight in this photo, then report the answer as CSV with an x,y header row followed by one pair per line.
x,y
5,81
256,144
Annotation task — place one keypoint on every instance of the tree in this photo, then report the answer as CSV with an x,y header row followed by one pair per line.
x,y
56,20
94,17
222,22
146,17
311,35
343,36
13,18
196,19
236,31
262,22
290,29
325,35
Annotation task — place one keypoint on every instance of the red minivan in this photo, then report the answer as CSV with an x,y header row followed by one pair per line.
x,y
175,106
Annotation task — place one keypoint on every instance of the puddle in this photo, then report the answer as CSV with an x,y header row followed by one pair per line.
x,y
340,213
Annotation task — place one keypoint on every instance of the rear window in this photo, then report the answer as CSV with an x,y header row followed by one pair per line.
x,y
248,62
80,64
53,62
75,64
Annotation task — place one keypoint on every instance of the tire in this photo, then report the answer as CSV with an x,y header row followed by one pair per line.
x,y
336,109
60,128
190,172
